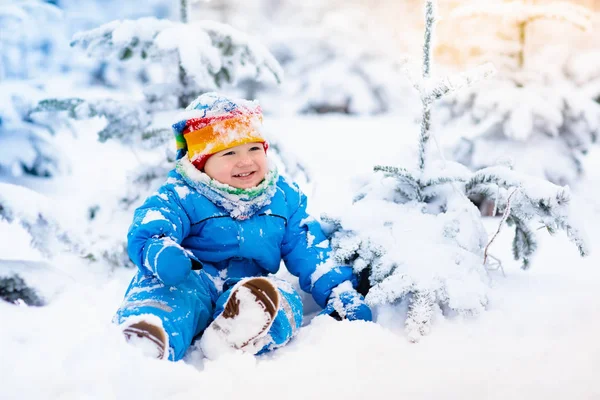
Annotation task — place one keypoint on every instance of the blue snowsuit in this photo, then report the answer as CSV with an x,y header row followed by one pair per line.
x,y
228,250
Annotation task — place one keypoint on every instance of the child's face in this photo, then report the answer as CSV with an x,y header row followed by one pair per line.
x,y
242,166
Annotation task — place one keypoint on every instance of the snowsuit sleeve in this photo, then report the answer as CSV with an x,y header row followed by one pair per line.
x,y
161,215
306,252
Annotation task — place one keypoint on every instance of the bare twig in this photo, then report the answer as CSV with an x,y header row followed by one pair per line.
x,y
504,217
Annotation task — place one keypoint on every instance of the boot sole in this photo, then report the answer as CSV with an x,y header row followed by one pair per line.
x,y
266,295
151,332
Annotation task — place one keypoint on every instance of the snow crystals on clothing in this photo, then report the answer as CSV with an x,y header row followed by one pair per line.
x,y
153,215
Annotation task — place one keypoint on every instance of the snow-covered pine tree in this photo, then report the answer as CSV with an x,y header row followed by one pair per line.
x,y
529,112
416,239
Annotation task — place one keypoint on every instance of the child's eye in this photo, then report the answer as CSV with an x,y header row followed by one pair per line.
x,y
254,148
229,153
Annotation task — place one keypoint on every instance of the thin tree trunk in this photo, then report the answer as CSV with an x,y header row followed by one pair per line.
x,y
426,121
521,54
183,9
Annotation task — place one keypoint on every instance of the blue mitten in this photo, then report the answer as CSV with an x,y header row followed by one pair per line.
x,y
346,303
167,260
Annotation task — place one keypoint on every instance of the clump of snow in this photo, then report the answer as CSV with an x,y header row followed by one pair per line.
x,y
321,269
153,215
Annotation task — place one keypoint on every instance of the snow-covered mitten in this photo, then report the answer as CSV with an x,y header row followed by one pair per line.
x,y
346,303
247,315
151,339
167,260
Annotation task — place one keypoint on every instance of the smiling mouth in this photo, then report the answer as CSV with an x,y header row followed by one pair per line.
x,y
244,175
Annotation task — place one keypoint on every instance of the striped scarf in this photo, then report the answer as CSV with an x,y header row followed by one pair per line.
x,y
239,203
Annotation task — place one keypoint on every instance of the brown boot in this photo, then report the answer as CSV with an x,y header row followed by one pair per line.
x,y
151,338
265,292
247,316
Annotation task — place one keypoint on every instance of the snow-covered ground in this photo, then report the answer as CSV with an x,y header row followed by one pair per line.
x,y
538,339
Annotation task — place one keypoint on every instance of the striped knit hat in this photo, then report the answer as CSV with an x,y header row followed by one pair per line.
x,y
213,123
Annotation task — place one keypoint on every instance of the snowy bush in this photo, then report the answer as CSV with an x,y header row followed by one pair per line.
x,y
13,289
35,235
24,210
537,118
414,236
26,143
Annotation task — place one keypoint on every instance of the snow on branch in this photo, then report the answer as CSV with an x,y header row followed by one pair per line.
x,y
124,121
208,51
435,89
122,39
536,201
23,207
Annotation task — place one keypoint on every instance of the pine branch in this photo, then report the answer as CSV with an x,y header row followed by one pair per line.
x,y
575,236
420,312
524,243
487,177
398,172
58,105
452,84
442,180
406,195
390,289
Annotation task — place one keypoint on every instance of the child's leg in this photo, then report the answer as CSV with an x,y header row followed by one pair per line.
x,y
169,316
255,315
288,319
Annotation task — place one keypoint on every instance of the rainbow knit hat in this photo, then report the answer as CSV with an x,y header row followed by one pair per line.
x,y
213,123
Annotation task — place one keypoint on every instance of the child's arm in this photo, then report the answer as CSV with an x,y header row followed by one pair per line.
x,y
306,253
153,241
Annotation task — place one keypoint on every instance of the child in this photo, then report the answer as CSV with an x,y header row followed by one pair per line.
x,y
207,242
